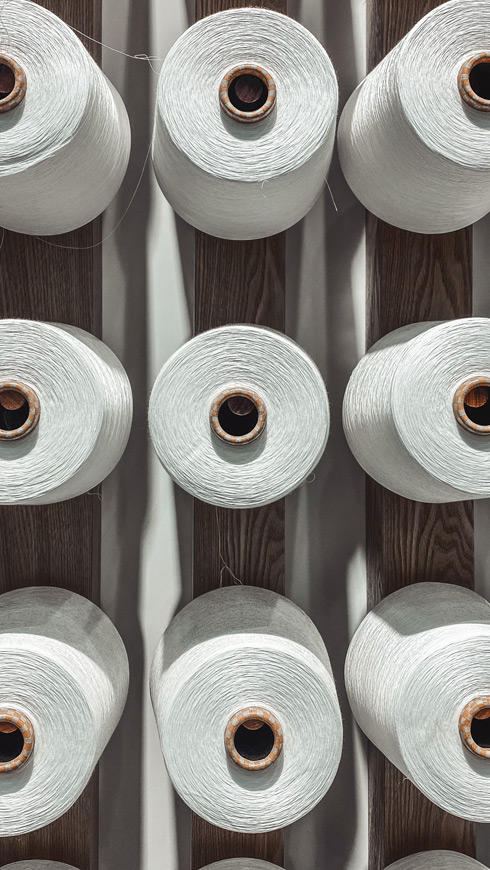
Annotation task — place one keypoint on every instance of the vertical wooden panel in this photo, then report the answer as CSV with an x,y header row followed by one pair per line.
x,y
59,544
237,282
410,278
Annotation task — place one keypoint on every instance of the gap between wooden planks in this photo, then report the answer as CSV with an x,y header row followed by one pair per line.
x,y
56,545
238,282
411,278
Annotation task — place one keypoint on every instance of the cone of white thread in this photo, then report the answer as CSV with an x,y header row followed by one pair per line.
x,y
250,167
414,151
234,669
64,145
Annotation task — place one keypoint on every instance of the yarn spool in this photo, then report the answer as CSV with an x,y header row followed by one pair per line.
x,y
239,416
65,411
241,686
417,678
243,139
437,859
414,138
241,864
57,110
417,411
37,865
63,681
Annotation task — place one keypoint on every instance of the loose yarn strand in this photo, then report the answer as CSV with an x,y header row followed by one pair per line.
x,y
142,56
225,566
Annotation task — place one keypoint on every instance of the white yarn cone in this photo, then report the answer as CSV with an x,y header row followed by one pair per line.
x,y
418,680
437,860
241,864
63,683
64,148
232,660
77,389
244,180
407,416
285,433
413,151
37,865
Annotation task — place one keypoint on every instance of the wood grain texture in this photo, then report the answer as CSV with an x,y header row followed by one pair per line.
x,y
237,282
410,278
59,544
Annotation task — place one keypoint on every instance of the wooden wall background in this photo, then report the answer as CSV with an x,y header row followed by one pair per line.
x,y
56,545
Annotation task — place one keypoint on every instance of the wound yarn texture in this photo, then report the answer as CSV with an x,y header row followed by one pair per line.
x,y
236,180
295,435
414,663
229,649
37,865
411,149
241,864
86,411
64,666
398,411
437,859
64,149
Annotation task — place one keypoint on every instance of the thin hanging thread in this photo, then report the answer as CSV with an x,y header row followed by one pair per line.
x,y
225,566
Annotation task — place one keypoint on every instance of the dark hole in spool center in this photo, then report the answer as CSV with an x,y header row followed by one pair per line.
x,y
11,744
14,410
477,405
7,81
247,93
480,728
238,416
480,80
254,744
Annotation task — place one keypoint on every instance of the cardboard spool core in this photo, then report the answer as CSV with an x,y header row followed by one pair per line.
x,y
20,410
474,81
247,93
474,726
471,405
238,416
13,83
16,740
253,738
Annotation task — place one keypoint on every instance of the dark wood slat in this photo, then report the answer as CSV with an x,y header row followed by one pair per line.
x,y
410,278
59,544
237,282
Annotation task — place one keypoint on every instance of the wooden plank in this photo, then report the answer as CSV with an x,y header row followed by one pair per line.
x,y
59,544
410,278
237,282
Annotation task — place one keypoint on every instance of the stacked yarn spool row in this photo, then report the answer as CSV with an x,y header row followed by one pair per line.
x,y
239,416
64,130
417,410
246,708
418,684
63,686
243,134
65,411
414,138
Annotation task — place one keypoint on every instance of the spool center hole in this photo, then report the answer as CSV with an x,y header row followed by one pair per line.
x,y
11,743
247,93
480,728
7,81
477,404
254,744
237,415
480,80
14,409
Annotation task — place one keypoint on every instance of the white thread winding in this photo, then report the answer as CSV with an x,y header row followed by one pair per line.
x,y
37,865
295,417
64,667
399,416
240,864
65,148
411,149
239,180
85,409
413,665
438,859
246,649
